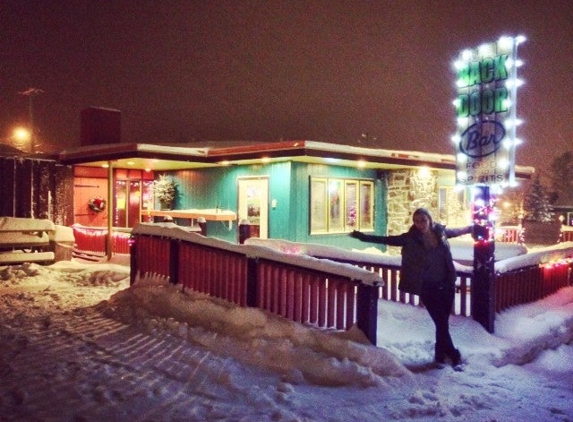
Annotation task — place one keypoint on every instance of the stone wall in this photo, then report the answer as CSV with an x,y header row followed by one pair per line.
x,y
407,191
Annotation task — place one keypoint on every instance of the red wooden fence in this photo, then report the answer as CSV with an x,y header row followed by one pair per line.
x,y
323,298
567,236
512,234
90,242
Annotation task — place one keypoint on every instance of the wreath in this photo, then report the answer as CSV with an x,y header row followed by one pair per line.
x,y
97,204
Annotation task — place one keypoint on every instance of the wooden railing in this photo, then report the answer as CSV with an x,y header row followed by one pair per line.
x,y
332,296
508,234
391,276
567,235
512,234
530,284
325,296
90,242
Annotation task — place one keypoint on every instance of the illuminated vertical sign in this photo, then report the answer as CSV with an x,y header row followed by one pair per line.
x,y
486,102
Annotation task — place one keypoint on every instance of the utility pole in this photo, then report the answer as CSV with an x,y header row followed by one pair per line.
x,y
31,93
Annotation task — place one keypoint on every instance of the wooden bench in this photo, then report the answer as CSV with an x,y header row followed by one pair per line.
x,y
25,240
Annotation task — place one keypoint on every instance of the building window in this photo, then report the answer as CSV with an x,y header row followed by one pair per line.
x,y
341,205
453,207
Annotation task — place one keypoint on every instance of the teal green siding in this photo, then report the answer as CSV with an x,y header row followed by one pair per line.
x,y
289,185
217,188
300,196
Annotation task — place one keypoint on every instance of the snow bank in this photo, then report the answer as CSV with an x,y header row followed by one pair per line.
x,y
257,337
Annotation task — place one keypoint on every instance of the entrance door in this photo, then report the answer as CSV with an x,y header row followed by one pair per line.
x,y
127,203
253,204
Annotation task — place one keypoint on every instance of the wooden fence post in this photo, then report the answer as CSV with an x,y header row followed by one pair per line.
x,y
483,285
174,261
367,311
252,270
133,260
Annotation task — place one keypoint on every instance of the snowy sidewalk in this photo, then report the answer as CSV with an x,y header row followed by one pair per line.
x,y
153,353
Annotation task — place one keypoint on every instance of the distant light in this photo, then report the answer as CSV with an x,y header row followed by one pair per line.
x,y
130,163
361,164
21,134
105,166
266,160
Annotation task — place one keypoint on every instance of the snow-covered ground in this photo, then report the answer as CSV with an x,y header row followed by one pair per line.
x,y
78,344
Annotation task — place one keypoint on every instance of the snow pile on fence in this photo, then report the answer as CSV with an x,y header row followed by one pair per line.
x,y
266,251
511,256
536,256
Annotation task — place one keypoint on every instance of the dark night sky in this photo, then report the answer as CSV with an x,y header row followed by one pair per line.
x,y
265,70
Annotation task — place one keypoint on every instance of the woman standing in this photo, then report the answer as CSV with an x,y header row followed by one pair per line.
x,y
428,271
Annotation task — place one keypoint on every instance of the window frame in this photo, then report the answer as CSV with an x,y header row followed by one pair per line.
x,y
340,205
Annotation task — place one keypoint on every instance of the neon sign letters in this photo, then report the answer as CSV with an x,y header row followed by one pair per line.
x,y
485,137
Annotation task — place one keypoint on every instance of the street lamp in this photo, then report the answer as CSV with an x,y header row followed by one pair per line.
x,y
22,136
31,93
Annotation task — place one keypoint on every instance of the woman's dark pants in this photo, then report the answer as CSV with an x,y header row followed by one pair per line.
x,y
439,301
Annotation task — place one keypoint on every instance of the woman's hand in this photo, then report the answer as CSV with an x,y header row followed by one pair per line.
x,y
356,234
